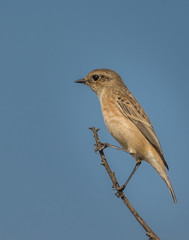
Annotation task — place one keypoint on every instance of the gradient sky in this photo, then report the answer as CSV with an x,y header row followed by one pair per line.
x,y
52,185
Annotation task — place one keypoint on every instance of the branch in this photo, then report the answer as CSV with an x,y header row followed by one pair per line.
x,y
149,232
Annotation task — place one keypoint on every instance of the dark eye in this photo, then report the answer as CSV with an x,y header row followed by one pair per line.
x,y
95,77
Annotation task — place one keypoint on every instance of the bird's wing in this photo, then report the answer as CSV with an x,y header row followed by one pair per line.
x,y
133,111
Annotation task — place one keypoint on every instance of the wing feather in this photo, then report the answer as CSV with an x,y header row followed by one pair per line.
x,y
142,122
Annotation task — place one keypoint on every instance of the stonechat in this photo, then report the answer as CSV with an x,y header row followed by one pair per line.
x,y
127,122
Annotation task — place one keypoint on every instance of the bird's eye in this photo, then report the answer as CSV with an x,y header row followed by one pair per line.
x,y
95,77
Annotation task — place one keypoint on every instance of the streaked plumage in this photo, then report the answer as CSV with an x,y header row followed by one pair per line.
x,y
127,121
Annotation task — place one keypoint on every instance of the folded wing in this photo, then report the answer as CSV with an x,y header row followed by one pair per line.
x,y
136,114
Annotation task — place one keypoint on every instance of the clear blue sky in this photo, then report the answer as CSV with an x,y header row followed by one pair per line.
x,y
52,185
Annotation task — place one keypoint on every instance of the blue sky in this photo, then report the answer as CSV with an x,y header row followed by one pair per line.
x,y
52,185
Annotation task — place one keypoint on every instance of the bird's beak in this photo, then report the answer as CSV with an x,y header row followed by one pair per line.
x,y
81,81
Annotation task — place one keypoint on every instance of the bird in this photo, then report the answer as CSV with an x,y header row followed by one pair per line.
x,y
127,122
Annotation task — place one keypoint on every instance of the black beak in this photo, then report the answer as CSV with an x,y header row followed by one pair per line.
x,y
80,81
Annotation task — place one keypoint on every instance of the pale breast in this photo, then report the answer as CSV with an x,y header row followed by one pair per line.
x,y
121,128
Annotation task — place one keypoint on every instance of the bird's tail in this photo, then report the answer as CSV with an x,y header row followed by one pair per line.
x,y
167,181
160,168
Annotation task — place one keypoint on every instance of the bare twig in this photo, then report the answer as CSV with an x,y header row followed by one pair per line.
x,y
149,232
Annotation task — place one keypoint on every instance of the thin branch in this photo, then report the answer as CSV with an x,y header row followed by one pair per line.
x,y
149,232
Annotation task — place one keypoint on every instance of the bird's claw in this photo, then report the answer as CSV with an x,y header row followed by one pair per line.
x,y
120,191
100,146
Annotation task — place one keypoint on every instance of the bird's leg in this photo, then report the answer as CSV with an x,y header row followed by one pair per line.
x,y
102,146
138,162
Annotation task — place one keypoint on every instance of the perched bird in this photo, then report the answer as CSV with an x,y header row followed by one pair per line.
x,y
127,122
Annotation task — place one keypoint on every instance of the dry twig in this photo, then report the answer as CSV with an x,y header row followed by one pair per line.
x,y
149,232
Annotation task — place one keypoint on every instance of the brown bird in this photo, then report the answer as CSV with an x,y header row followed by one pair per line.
x,y
127,122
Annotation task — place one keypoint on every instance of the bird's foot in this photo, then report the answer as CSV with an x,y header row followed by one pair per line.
x,y
100,146
119,191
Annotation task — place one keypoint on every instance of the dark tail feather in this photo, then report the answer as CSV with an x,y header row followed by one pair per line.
x,y
166,179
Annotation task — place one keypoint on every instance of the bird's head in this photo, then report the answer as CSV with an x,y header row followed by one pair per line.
x,y
101,79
